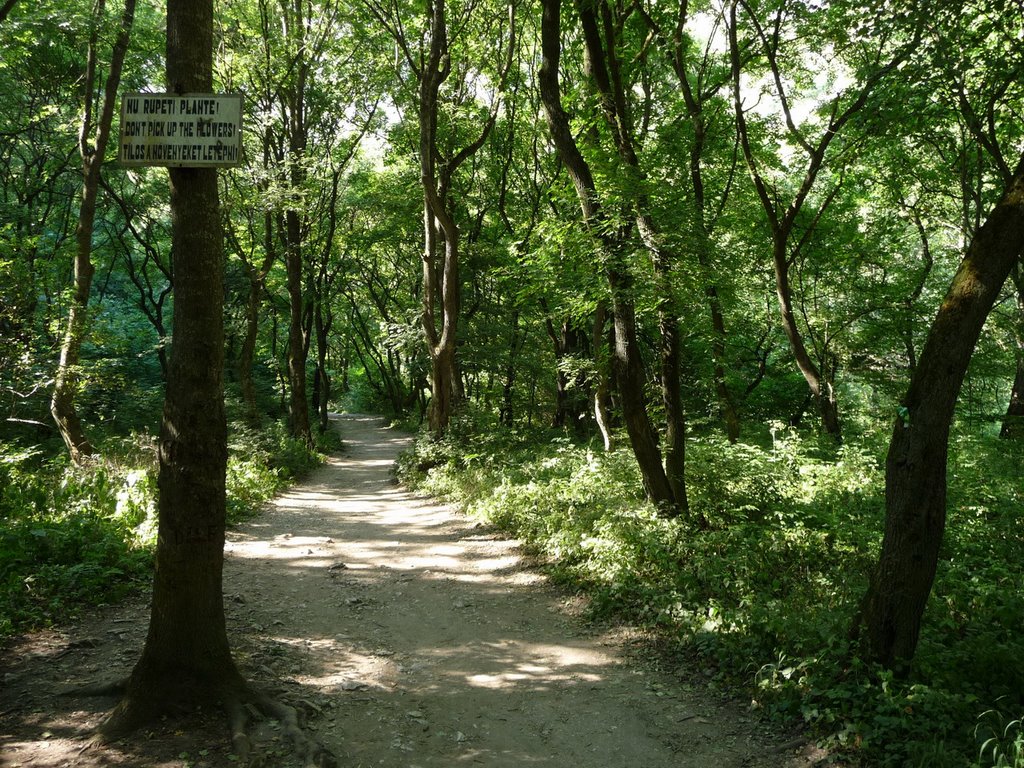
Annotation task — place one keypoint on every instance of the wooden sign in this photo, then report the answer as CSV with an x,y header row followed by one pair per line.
x,y
192,130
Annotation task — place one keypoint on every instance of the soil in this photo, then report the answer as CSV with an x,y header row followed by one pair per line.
x,y
408,636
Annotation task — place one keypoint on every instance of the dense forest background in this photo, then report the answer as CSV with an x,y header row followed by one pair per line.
x,y
684,294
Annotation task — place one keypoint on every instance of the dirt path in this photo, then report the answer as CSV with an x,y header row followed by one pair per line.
x,y
410,637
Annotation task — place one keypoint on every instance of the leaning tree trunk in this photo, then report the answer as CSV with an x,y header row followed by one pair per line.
x,y
66,380
822,392
626,361
915,472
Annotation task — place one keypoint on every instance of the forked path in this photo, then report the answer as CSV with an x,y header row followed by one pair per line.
x,y
410,637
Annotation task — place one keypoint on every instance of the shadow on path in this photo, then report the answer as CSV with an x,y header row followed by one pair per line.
x,y
430,643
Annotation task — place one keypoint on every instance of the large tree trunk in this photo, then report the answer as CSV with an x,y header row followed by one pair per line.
x,y
632,381
187,661
186,657
62,402
915,472
440,280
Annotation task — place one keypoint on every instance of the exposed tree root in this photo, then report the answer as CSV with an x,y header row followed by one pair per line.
x,y
242,703
107,688
308,749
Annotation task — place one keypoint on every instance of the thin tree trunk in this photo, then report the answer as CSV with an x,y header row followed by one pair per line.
x,y
1013,419
506,414
322,398
247,353
676,52
601,387
822,393
298,402
62,402
781,217
570,397
915,472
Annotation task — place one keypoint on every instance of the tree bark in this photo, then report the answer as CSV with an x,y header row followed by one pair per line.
x,y
294,100
322,384
440,280
186,658
781,218
6,8
298,402
915,476
570,390
601,389
441,290
506,414
62,402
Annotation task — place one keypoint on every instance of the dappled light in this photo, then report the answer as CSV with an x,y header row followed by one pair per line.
x,y
715,308
429,635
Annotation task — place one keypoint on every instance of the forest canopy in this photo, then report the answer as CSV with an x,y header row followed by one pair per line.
x,y
718,305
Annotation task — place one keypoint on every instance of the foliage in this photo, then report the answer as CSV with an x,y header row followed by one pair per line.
x,y
260,463
765,593
763,597
69,537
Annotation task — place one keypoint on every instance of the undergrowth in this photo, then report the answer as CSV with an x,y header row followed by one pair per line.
x,y
765,595
77,536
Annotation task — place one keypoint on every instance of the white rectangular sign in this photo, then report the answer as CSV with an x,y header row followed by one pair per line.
x,y
194,130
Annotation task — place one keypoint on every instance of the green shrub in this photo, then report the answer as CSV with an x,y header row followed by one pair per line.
x,y
68,537
1001,740
764,596
260,463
